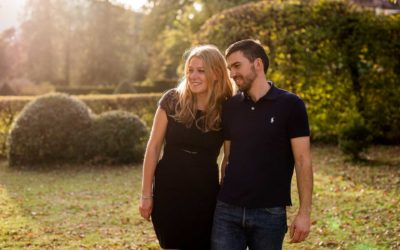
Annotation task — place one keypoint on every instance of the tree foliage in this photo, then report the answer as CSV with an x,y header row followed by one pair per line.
x,y
330,54
76,42
169,29
10,53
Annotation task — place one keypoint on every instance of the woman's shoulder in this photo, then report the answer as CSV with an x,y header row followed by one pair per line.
x,y
168,100
170,93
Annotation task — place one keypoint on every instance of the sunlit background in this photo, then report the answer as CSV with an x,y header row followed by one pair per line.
x,y
11,11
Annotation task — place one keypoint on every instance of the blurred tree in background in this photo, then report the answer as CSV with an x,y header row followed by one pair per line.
x,y
110,38
81,42
169,30
40,38
10,55
344,60
331,54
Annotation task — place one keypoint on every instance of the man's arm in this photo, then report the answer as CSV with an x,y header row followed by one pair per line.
x,y
301,224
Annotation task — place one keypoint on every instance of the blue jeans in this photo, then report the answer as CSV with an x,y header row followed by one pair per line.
x,y
236,228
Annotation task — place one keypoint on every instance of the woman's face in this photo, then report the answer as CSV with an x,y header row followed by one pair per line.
x,y
196,76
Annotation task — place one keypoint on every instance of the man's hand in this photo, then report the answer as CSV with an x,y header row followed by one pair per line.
x,y
300,228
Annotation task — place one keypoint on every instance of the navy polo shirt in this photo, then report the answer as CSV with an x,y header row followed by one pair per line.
x,y
261,160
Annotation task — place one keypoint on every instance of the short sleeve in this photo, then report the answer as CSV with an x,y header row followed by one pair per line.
x,y
168,101
298,122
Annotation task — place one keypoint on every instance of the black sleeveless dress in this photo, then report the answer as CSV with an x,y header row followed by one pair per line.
x,y
186,183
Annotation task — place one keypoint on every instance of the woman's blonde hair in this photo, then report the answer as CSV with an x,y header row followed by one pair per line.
x,y
218,90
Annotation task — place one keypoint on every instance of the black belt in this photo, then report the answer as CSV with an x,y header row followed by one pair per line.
x,y
189,152
186,150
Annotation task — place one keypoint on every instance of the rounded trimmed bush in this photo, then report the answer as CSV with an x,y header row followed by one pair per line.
x,y
49,129
117,137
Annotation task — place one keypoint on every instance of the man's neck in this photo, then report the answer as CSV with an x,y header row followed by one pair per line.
x,y
259,88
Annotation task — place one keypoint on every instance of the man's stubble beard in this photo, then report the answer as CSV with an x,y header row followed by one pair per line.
x,y
247,80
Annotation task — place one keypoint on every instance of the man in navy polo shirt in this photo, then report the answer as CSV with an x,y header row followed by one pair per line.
x,y
266,136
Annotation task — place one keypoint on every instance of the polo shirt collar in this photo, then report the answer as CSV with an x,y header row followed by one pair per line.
x,y
272,93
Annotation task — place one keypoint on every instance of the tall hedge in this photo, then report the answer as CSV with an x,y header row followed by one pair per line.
x,y
341,59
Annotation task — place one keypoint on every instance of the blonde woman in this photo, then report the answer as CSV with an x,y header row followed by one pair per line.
x,y
179,191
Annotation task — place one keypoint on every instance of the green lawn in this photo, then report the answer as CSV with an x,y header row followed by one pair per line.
x,y
355,206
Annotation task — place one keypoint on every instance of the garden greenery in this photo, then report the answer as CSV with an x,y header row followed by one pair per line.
x,y
49,129
339,58
62,129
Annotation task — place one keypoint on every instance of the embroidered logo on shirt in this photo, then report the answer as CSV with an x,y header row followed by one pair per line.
x,y
272,120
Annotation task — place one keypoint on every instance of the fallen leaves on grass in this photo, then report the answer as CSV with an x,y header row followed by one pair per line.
x,y
355,206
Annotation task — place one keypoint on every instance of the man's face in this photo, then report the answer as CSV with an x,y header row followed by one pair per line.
x,y
242,71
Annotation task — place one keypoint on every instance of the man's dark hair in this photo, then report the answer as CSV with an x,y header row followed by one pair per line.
x,y
251,49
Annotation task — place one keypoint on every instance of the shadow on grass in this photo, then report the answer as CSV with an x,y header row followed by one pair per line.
x,y
364,162
64,167
379,168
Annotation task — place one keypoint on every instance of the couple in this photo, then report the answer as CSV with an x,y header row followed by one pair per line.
x,y
265,134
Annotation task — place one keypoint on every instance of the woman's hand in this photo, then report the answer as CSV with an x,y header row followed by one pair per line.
x,y
145,207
